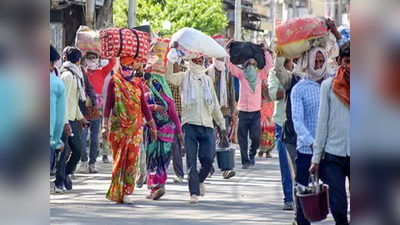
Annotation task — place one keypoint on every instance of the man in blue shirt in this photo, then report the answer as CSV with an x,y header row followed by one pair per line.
x,y
305,98
57,106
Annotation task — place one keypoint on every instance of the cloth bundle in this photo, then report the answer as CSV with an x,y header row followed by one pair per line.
x,y
125,42
298,35
157,55
194,44
241,52
87,40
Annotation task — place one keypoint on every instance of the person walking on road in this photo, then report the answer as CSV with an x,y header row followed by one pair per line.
x,y
57,106
159,151
223,85
333,136
199,107
123,125
97,76
176,145
305,99
277,93
249,105
72,77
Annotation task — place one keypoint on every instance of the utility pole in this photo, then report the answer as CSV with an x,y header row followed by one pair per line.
x,y
132,14
90,10
238,20
272,18
340,12
294,4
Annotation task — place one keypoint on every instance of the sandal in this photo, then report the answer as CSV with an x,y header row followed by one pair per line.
x,y
158,194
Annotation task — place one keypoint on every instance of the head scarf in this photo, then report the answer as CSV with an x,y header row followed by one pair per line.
x,y
189,94
165,88
223,93
341,85
305,65
316,74
127,61
250,72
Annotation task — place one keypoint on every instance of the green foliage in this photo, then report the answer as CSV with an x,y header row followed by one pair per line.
x,y
204,15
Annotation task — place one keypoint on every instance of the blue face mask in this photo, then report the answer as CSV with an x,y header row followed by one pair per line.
x,y
157,86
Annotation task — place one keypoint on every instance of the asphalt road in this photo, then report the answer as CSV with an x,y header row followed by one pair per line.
x,y
253,196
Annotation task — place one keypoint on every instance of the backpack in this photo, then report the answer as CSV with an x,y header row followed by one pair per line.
x,y
288,133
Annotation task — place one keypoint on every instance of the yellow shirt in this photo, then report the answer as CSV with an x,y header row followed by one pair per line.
x,y
71,89
199,114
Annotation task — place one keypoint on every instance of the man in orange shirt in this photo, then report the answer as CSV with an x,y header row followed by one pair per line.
x,y
96,75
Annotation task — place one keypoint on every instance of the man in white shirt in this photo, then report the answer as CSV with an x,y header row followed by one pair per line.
x,y
199,107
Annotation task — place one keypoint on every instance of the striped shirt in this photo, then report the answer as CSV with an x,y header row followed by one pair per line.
x,y
333,128
305,98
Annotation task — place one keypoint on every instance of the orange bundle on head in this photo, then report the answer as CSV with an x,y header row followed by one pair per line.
x,y
298,35
157,60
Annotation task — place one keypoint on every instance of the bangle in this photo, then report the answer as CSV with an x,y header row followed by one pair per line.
x,y
155,107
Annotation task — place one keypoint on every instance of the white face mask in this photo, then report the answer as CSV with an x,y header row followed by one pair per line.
x,y
58,64
92,64
195,69
219,65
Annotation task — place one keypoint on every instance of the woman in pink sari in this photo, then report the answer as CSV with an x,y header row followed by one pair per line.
x,y
159,151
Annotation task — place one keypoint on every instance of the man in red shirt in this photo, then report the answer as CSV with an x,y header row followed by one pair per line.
x,y
96,75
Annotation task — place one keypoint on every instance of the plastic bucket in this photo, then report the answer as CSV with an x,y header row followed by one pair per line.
x,y
315,206
226,158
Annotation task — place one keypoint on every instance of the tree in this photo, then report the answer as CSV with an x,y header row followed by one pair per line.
x,y
104,16
204,15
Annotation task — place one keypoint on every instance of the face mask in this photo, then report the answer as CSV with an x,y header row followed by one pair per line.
x,y
157,86
196,69
58,64
92,64
219,65
250,70
126,71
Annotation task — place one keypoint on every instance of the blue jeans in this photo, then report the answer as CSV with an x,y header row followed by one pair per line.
x,y
199,143
336,170
94,141
303,163
286,176
75,143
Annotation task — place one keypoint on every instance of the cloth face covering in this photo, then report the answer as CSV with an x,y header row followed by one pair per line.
x,y
189,94
316,74
126,71
220,66
92,64
157,86
250,72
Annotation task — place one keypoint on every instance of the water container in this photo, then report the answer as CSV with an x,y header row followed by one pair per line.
x,y
226,158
